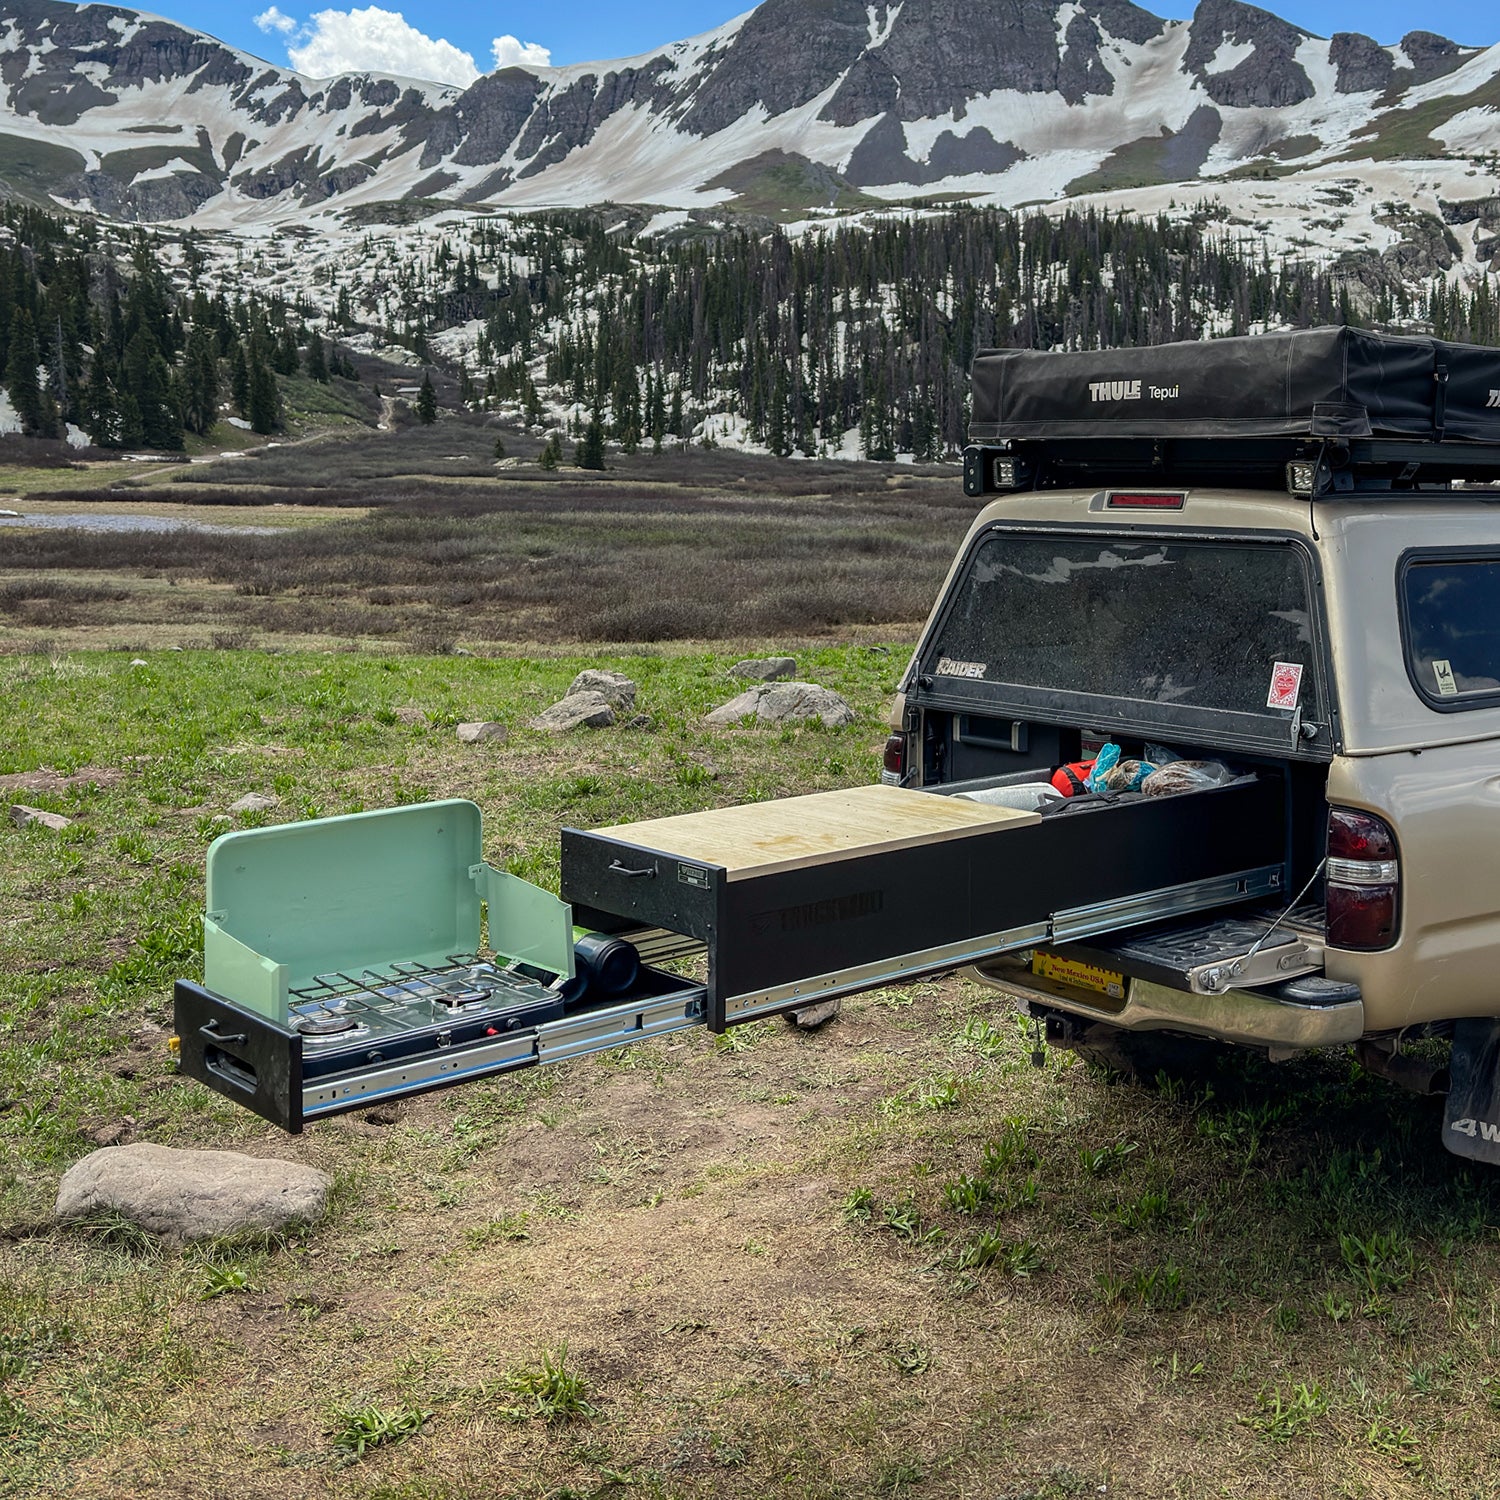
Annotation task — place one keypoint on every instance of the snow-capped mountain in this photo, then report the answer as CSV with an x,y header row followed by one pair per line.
x,y
794,106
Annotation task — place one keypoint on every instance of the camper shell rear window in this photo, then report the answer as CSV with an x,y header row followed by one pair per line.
x,y
1137,632
1450,624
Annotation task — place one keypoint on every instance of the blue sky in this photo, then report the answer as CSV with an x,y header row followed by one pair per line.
x,y
455,40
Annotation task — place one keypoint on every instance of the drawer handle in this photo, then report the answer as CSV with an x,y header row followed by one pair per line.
x,y
616,868
212,1033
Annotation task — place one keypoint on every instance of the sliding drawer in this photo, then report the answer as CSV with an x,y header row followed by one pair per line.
x,y
809,897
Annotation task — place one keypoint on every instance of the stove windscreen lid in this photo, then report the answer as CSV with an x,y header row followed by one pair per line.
x,y
370,890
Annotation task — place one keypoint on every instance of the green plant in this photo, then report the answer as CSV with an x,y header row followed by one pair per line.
x,y
941,1093
1282,1418
858,1206
500,1227
549,1390
1339,1309
982,1036
1150,1209
1381,1262
1395,1442
966,1195
902,1219
357,1429
217,1280
911,1359
1101,1161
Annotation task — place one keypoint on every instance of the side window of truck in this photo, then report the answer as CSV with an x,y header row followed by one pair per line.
x,y
1450,618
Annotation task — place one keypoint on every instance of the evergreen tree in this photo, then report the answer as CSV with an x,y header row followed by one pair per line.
x,y
317,362
590,451
427,408
101,409
285,360
551,455
263,403
20,372
200,380
148,377
239,379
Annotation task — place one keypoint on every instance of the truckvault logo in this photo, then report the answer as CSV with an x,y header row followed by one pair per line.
x,y
852,908
1494,399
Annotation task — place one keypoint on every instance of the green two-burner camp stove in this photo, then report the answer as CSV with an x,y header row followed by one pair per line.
x,y
343,964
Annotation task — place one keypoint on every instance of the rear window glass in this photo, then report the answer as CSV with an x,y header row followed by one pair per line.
x,y
1199,624
1452,609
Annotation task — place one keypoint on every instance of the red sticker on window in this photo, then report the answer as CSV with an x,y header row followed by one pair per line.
x,y
1286,685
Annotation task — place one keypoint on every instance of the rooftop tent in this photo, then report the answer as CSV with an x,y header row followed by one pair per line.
x,y
1316,383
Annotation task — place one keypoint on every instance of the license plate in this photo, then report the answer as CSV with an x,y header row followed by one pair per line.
x,y
1082,976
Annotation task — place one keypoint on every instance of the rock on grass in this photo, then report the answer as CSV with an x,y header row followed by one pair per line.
x,y
254,802
614,687
192,1195
765,668
576,711
784,703
482,732
28,817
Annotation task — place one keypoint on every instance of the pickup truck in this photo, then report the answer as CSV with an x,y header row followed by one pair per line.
x,y
1201,739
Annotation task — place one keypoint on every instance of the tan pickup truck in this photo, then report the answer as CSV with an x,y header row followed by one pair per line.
x,y
1332,628
1202,739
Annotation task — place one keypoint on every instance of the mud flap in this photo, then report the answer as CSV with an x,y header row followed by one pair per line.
x,y
1471,1121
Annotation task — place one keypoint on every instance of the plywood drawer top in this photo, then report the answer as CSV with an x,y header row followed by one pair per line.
x,y
795,832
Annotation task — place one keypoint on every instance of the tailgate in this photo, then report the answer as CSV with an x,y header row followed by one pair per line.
x,y
809,897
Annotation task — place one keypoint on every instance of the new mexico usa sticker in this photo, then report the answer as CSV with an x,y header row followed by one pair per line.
x,y
1286,685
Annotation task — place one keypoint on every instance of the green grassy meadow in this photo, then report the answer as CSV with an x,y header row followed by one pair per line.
x,y
891,1258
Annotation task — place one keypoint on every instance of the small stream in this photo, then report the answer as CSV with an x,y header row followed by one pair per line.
x,y
90,521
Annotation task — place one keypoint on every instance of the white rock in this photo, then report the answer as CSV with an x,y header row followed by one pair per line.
x,y
482,732
24,817
765,668
576,711
139,661
254,802
192,1195
615,687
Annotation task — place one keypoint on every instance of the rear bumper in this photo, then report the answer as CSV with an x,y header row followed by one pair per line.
x,y
1246,1017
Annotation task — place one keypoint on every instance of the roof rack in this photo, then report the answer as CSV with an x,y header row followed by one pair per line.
x,y
1333,467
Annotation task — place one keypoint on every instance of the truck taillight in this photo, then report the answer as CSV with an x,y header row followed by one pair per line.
x,y
893,771
1364,880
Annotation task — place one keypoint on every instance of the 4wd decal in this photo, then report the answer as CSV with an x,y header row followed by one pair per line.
x,y
1494,399
948,667
1482,1128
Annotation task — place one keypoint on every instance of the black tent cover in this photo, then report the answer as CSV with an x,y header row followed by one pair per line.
x,y
1315,383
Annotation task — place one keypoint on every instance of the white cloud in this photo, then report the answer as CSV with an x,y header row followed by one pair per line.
x,y
373,40
510,52
274,20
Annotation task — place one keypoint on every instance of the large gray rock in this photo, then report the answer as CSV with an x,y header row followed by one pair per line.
x,y
482,732
765,668
615,687
192,1195
576,711
784,703
27,817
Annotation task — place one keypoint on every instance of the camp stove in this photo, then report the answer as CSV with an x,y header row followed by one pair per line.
x,y
343,966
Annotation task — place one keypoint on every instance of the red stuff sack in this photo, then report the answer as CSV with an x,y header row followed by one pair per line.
x,y
1070,779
